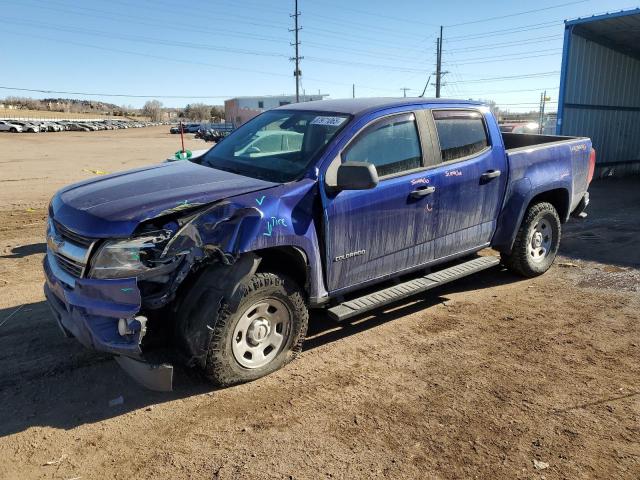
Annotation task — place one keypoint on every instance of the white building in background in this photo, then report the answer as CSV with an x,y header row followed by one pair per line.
x,y
242,109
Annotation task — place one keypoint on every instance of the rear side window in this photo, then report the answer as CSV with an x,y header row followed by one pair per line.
x,y
461,133
392,145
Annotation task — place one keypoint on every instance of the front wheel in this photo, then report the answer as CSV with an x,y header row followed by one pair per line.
x,y
261,335
537,241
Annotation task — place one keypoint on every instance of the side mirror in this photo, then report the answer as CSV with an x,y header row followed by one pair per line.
x,y
253,149
357,176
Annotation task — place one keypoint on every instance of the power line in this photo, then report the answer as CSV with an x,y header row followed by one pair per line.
x,y
94,94
386,17
150,40
191,28
510,77
155,41
536,10
522,103
512,54
506,31
101,14
190,62
399,68
542,39
507,59
498,92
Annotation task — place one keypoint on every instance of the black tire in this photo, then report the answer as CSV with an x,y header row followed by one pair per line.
x,y
523,259
13,130
222,368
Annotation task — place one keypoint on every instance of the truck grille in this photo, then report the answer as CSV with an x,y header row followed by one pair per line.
x,y
72,267
68,250
73,237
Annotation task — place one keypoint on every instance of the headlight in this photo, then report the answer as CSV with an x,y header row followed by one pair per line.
x,y
134,257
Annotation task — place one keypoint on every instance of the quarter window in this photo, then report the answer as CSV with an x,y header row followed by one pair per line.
x,y
461,133
392,145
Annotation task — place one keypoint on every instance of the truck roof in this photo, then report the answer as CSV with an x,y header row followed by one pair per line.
x,y
357,106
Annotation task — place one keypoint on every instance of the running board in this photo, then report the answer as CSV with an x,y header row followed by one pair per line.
x,y
403,290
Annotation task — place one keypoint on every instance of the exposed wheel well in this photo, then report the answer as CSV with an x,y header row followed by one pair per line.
x,y
559,198
290,261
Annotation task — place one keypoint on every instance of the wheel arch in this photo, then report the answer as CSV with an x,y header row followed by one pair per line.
x,y
288,260
514,211
558,197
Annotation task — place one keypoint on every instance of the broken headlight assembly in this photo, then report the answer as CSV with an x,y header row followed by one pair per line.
x,y
141,256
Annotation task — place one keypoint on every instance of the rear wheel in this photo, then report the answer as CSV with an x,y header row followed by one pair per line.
x,y
537,241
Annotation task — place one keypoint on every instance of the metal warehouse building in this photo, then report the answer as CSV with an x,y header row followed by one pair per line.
x,y
600,88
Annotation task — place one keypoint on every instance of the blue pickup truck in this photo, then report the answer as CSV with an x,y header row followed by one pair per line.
x,y
214,262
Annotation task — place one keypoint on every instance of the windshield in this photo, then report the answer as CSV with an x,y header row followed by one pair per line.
x,y
277,146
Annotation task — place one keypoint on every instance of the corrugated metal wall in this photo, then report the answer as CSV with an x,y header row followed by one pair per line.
x,y
598,80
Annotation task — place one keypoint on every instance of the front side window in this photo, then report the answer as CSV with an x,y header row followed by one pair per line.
x,y
461,133
277,145
392,145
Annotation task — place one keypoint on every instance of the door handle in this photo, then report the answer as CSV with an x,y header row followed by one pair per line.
x,y
489,174
423,192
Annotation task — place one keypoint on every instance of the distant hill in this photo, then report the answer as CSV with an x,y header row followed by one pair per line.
x,y
67,105
88,104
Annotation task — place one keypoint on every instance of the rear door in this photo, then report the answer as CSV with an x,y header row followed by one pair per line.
x,y
374,233
470,178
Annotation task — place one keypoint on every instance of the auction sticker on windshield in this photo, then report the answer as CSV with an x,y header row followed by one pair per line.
x,y
329,121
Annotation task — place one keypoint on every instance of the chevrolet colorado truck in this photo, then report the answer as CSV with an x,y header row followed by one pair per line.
x,y
342,205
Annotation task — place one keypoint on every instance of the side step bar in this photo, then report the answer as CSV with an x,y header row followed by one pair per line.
x,y
359,305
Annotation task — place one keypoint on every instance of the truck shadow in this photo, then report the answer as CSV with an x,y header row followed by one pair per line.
x,y
26,250
49,380
323,330
611,230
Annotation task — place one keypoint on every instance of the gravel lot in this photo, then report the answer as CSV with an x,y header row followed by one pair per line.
x,y
490,377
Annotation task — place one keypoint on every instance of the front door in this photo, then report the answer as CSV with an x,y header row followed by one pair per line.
x,y
374,233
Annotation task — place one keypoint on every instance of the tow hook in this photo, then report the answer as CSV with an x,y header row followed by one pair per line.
x,y
129,326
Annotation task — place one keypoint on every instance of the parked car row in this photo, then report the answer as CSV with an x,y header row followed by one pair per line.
x,y
37,126
212,134
186,128
209,132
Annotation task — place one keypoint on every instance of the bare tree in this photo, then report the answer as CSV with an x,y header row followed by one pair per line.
x,y
153,109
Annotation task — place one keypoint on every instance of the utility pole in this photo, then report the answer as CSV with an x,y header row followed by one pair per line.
x,y
297,58
353,91
439,64
404,91
543,102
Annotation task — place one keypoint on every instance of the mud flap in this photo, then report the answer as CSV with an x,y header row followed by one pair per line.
x,y
154,377
579,211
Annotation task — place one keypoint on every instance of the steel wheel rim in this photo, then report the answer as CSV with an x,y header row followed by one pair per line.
x,y
540,240
261,333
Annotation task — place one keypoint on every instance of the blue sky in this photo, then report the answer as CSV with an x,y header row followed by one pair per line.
x,y
226,48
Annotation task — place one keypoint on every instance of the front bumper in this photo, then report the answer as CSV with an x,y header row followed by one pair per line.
x,y
91,309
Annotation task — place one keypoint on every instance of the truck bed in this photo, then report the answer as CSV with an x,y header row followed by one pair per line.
x,y
520,140
544,162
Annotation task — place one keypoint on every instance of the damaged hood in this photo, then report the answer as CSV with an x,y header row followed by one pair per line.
x,y
114,205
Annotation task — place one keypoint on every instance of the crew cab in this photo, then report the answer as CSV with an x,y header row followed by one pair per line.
x,y
215,261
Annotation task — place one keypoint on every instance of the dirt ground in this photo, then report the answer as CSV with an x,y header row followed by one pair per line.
x,y
492,377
